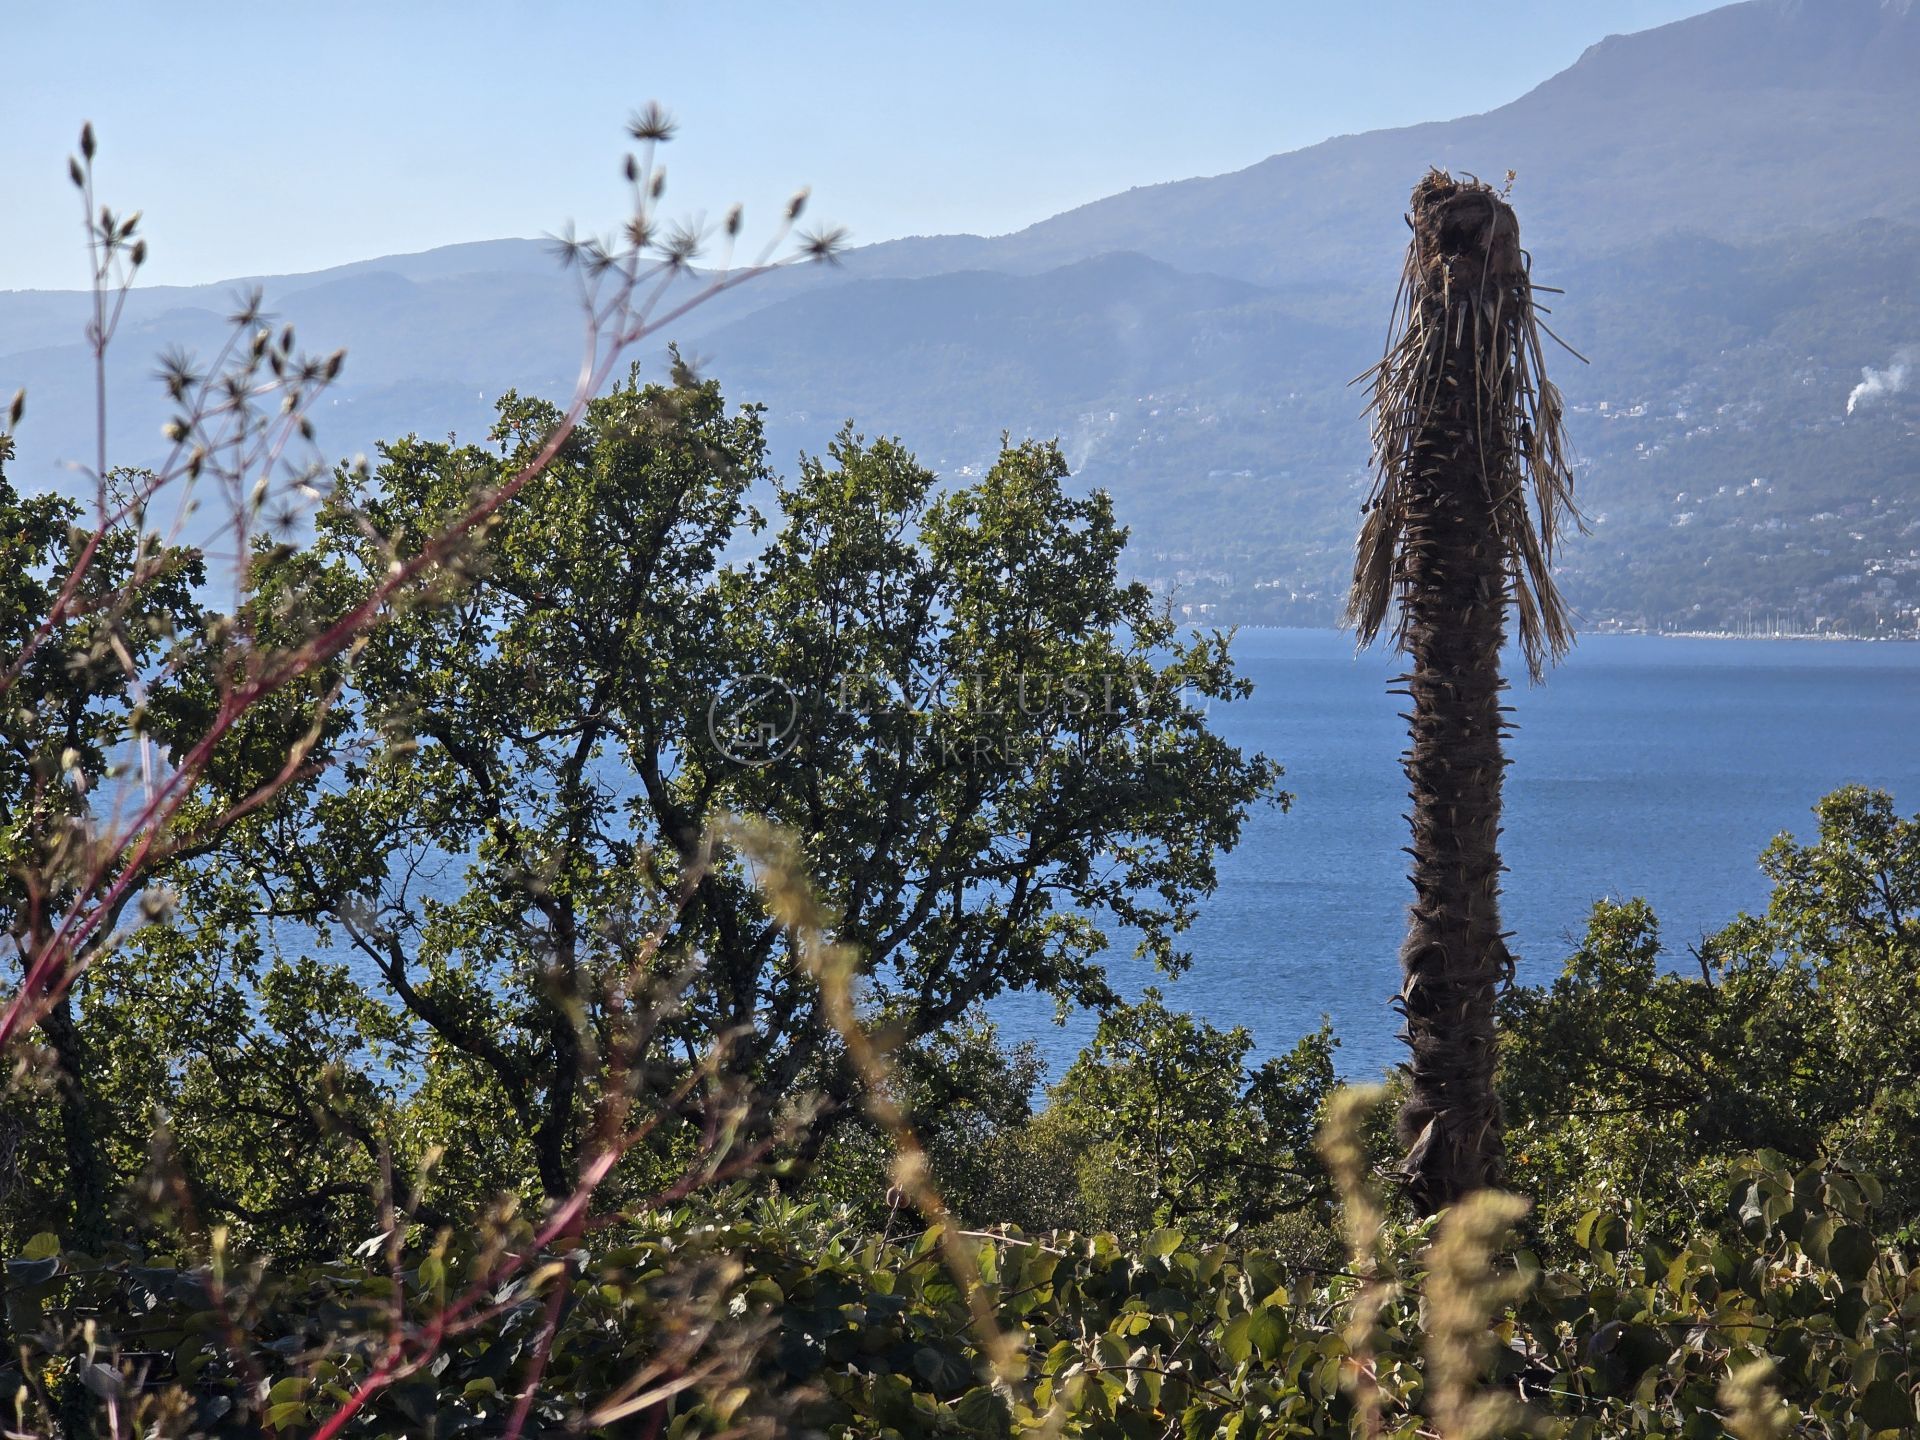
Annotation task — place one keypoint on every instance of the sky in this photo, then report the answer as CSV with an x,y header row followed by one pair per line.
x,y
276,138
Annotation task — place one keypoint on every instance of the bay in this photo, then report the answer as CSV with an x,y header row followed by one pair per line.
x,y
1644,765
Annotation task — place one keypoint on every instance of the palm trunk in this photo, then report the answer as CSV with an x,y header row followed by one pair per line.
x,y
1454,959
1465,426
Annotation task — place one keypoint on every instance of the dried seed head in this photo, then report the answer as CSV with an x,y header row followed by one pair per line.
x,y
824,244
652,123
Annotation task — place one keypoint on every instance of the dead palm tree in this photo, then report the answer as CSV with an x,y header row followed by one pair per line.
x,y
1471,484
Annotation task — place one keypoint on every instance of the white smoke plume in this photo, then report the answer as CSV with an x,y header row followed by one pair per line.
x,y
1878,384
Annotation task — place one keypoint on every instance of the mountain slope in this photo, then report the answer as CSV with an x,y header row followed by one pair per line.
x,y
1732,203
1742,122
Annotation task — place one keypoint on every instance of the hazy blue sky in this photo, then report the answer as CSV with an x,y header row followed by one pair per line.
x,y
271,137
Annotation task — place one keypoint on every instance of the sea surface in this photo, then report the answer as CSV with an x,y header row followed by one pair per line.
x,y
1643,765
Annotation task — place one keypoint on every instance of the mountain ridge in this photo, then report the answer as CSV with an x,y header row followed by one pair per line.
x,y
1732,202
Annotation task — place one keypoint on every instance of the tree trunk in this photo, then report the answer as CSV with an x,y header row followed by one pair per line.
x,y
1453,577
90,1179
1454,959
1471,481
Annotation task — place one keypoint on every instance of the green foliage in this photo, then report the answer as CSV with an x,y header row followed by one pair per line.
x,y
1159,1121
495,869
74,699
829,1330
1176,1129
1626,1083
968,1099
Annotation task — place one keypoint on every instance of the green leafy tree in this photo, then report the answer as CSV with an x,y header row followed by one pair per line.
x,y
1633,1083
73,698
992,750
1175,1128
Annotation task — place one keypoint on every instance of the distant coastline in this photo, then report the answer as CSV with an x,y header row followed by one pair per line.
x,y
1752,635
1823,635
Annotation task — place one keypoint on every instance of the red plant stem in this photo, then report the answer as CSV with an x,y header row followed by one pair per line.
x,y
381,1376
542,1351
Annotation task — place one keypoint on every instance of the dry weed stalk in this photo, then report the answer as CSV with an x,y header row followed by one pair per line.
x,y
1343,1147
780,870
1755,1410
1465,1295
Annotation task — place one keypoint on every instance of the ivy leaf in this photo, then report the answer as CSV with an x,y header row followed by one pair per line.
x,y
1850,1253
942,1369
1162,1243
984,1414
1583,1229
1262,1332
1887,1405
294,1387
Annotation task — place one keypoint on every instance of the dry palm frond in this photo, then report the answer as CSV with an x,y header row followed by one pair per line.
x,y
1465,318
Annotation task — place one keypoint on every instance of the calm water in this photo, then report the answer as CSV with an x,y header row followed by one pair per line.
x,y
1643,766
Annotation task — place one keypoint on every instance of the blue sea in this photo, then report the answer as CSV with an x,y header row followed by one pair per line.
x,y
1643,765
